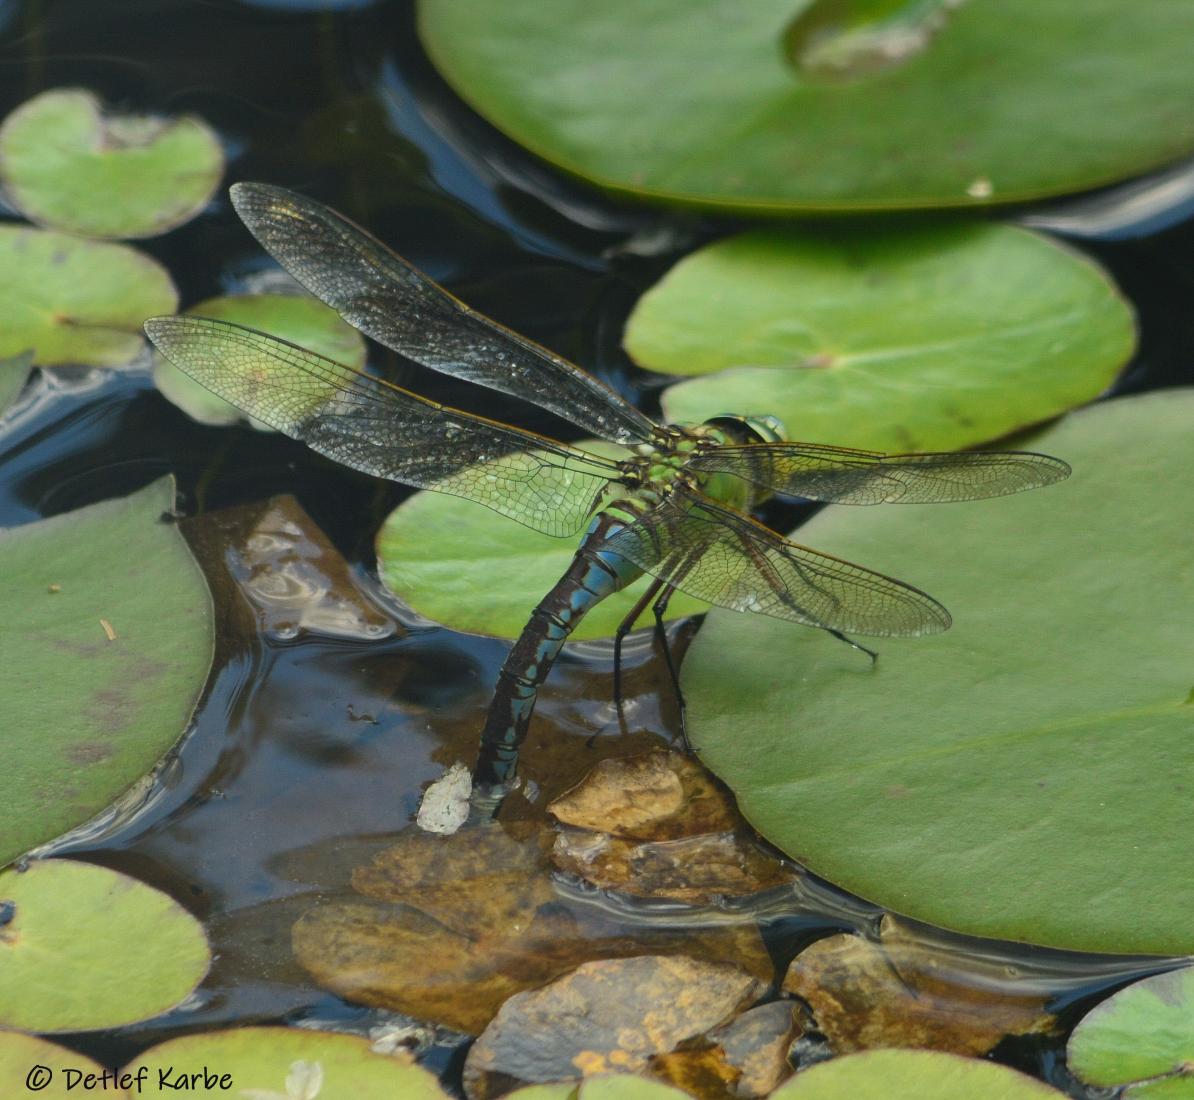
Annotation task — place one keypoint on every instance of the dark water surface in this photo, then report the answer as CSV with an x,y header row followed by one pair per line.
x,y
310,740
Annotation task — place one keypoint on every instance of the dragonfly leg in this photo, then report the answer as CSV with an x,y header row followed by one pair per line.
x,y
624,628
853,644
659,609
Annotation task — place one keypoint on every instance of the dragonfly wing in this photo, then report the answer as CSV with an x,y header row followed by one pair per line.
x,y
727,559
842,475
370,425
379,293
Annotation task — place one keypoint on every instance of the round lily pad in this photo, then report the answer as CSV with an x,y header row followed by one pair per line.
x,y
74,301
623,1086
299,318
108,626
14,373
472,569
30,1065
66,163
1142,1037
912,1075
1046,730
781,106
901,339
87,947
563,1090
279,1063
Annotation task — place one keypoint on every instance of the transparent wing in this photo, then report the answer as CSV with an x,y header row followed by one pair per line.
x,y
846,476
370,425
727,559
381,294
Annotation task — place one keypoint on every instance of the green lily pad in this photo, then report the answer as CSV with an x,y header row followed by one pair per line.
x,y
31,1065
109,626
88,947
67,164
625,1087
564,1090
1046,730
780,106
299,318
1168,1088
14,373
76,302
469,568
912,1075
1142,1037
900,339
279,1063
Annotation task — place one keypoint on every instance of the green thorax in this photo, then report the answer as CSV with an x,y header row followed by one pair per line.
x,y
659,466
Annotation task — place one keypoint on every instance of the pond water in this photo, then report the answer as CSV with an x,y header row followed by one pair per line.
x,y
313,742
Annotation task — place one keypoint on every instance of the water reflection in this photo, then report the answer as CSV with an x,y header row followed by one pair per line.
x,y
1138,208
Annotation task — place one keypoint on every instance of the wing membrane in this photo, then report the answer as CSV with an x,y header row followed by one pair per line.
x,y
373,426
727,559
379,293
842,475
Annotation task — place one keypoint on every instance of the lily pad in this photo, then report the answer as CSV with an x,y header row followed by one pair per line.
x,y
31,1065
299,318
1142,1037
469,568
76,302
136,954
14,373
622,1086
912,1075
950,780
279,1063
109,627
68,164
563,1090
780,106
899,339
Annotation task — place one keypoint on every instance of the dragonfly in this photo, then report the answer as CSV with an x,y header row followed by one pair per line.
x,y
677,506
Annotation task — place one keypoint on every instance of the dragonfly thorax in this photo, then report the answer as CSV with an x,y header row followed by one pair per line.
x,y
656,467
661,466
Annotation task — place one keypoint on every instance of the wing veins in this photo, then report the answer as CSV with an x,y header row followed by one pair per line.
x,y
734,548
851,476
372,425
389,299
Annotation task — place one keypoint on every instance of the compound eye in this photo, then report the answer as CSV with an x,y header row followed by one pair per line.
x,y
769,429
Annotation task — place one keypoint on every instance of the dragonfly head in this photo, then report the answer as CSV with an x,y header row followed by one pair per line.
x,y
749,429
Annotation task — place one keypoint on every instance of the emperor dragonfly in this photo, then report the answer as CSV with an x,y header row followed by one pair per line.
x,y
676,508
